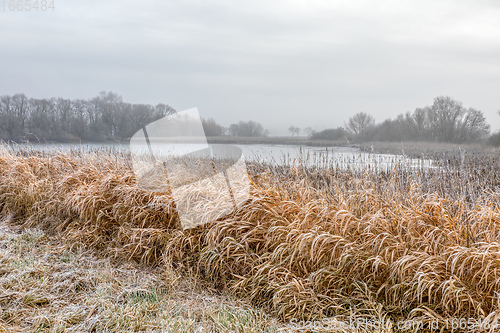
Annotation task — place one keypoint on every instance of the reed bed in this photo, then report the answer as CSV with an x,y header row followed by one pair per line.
x,y
310,243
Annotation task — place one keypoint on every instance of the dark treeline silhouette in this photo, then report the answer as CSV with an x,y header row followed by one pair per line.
x,y
446,120
241,129
106,117
102,118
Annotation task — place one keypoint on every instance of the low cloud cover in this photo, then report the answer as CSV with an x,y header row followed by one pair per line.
x,y
280,63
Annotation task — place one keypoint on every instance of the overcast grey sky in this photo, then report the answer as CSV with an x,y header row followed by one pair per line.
x,y
282,63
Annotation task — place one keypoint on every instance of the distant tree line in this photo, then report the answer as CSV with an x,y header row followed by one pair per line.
x,y
105,117
241,129
446,120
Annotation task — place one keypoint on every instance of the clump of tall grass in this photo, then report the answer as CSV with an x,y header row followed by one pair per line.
x,y
310,243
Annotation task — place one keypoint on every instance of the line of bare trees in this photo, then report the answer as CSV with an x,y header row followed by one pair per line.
x,y
104,117
107,117
242,129
446,120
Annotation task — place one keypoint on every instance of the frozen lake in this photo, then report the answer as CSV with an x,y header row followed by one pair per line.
x,y
348,157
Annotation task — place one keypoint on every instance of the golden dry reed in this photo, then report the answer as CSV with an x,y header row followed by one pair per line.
x,y
311,243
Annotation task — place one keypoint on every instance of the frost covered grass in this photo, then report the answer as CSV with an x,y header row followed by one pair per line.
x,y
310,243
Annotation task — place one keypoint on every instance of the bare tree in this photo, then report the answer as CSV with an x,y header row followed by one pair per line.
x,y
233,129
10,123
415,125
450,121
20,106
472,126
294,130
443,116
359,123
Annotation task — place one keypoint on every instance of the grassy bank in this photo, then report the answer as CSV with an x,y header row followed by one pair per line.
x,y
310,244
